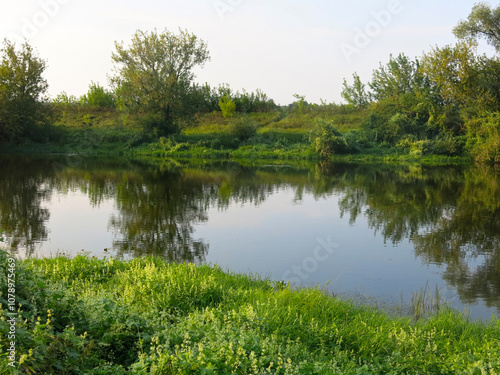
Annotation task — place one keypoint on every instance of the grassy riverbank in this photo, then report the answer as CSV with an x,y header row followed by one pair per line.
x,y
275,135
90,316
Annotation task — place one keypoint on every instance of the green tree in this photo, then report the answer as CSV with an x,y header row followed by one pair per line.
x,y
404,100
154,74
457,72
227,106
483,22
301,103
398,77
356,94
22,90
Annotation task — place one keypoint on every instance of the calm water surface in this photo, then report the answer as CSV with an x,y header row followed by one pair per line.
x,y
378,231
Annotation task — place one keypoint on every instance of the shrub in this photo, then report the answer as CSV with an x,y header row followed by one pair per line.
x,y
158,124
448,145
415,147
483,141
243,129
327,140
63,99
99,97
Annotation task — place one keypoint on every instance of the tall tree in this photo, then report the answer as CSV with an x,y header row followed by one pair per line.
x,y
399,76
154,74
460,73
483,22
22,90
356,94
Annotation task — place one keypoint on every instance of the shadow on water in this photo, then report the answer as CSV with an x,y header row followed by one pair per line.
x,y
450,214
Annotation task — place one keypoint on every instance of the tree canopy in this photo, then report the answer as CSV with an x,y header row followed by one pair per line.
x,y
154,74
22,90
482,23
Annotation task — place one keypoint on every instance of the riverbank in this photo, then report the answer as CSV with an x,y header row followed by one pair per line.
x,y
104,316
171,149
275,135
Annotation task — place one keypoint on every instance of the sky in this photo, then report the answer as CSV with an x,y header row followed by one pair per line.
x,y
283,47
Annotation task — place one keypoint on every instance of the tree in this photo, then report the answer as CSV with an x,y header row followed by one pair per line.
x,y
154,75
22,89
400,76
458,72
356,94
404,99
483,22
227,106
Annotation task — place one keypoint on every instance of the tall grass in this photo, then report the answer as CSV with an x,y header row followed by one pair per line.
x,y
424,302
91,316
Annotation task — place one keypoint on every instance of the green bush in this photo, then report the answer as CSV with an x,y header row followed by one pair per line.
x,y
158,125
243,129
483,138
327,140
448,145
415,147
98,97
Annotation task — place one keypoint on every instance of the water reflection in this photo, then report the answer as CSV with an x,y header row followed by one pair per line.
x,y
23,189
451,215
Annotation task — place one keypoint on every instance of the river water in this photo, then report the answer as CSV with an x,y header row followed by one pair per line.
x,y
383,232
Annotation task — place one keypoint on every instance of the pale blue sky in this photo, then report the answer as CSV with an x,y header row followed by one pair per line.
x,y
280,46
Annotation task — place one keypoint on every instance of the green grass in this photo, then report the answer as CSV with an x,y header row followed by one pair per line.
x,y
91,316
280,134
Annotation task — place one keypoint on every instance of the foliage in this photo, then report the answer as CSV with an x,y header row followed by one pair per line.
x,y
243,128
98,97
256,101
154,74
457,72
428,107
300,104
227,106
443,103
483,22
22,90
483,141
356,94
328,140
64,99
398,77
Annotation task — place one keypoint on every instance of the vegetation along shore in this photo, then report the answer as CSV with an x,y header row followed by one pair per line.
x,y
445,103
104,316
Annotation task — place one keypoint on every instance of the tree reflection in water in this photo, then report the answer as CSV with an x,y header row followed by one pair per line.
x,y
450,214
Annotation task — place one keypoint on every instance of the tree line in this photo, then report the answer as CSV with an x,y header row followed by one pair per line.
x,y
152,78
445,102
